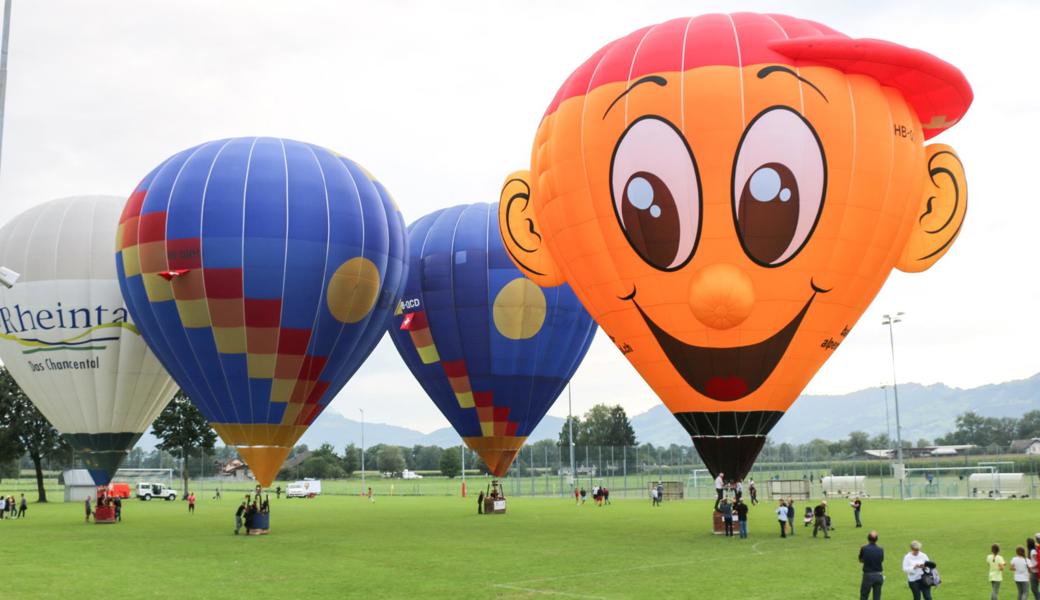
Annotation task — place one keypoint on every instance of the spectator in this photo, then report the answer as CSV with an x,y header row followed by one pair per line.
x,y
583,494
606,495
660,493
577,499
820,514
1020,566
752,491
653,496
86,505
238,516
278,493
480,503
719,485
996,570
3,506
22,507
790,516
738,489
781,517
216,494
117,502
742,511
913,566
191,502
872,556
856,506
727,517
1031,555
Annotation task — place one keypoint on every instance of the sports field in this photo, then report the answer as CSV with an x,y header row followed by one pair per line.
x,y
423,547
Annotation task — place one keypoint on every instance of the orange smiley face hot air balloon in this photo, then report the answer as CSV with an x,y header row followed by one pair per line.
x,y
727,193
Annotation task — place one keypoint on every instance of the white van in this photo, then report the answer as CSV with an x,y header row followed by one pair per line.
x,y
308,488
147,491
406,474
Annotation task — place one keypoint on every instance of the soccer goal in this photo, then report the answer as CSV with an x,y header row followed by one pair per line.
x,y
977,481
135,476
788,488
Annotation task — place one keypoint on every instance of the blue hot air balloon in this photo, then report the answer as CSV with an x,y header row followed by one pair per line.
x,y
261,272
491,348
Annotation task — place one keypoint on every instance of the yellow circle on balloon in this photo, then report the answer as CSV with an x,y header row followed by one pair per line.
x,y
353,290
519,309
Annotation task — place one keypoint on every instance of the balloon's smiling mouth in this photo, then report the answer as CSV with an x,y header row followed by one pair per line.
x,y
726,374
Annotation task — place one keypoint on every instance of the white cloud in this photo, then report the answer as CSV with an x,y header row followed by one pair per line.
x,y
441,100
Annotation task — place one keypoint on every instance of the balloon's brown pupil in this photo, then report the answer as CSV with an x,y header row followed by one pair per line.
x,y
651,219
768,214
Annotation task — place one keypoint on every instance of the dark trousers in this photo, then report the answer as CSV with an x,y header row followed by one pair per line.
x,y
718,498
1034,584
728,525
783,528
21,512
858,524
821,523
871,581
920,590
480,506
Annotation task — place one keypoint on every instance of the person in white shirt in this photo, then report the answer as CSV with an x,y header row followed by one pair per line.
x,y
781,516
913,566
718,489
1020,567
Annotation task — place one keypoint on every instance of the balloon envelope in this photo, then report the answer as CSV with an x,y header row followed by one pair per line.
x,y
727,194
261,272
491,348
66,336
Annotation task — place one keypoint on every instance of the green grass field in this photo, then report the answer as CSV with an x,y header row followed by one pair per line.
x,y
423,547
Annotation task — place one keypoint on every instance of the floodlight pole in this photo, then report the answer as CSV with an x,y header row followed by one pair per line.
x,y
888,422
3,67
890,321
364,490
570,433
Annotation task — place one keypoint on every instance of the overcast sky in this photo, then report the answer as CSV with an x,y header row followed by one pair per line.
x,y
440,100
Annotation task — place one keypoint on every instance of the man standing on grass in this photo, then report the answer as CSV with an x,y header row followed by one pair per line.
x,y
238,516
820,516
752,491
480,503
742,511
871,555
86,505
22,507
857,504
790,515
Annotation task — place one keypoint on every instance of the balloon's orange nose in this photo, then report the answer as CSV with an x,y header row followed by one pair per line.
x,y
721,296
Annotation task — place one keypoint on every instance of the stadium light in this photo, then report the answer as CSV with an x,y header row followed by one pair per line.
x,y
890,321
888,420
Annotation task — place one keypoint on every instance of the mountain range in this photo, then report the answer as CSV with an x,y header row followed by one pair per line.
x,y
926,411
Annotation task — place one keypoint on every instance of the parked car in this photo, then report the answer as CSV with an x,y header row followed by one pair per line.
x,y
308,488
147,491
406,474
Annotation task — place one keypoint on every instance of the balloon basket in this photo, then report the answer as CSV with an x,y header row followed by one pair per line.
x,y
258,524
104,515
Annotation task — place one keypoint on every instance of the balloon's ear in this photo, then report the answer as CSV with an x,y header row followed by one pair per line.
x,y
521,233
938,220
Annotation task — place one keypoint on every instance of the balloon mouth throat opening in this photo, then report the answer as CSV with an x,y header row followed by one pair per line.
x,y
726,374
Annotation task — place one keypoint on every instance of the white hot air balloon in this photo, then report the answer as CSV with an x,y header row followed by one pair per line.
x,y
66,336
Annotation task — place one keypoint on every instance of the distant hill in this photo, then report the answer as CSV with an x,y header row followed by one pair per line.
x,y
926,412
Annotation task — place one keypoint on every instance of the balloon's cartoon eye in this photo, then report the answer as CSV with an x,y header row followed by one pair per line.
x,y
656,192
779,182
